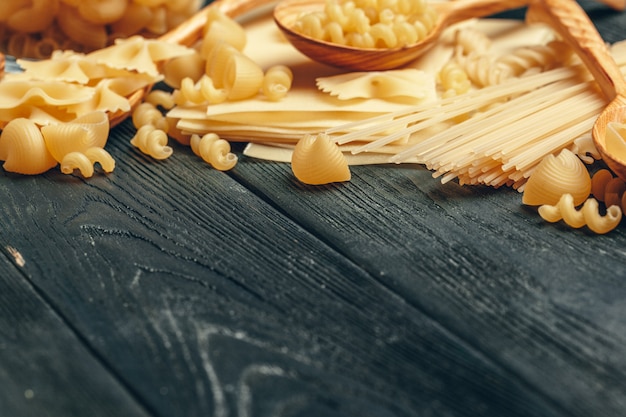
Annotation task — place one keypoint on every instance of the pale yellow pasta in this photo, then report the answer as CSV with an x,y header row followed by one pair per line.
x,y
555,176
82,133
454,79
79,30
223,30
188,66
588,215
152,141
203,91
34,18
369,24
316,160
77,161
102,11
35,28
213,150
84,162
242,78
135,19
147,114
158,23
160,98
23,149
277,82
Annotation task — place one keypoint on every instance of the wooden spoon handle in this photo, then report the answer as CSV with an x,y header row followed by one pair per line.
x,y
190,30
575,27
460,10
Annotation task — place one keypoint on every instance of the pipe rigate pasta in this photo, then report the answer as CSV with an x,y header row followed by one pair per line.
x,y
23,149
316,160
213,150
588,215
555,176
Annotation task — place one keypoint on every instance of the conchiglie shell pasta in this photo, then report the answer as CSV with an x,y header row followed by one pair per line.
x,y
555,176
317,160
23,150
83,133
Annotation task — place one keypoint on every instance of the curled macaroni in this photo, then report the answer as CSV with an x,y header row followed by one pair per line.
x,y
588,215
35,28
214,150
152,141
84,162
277,82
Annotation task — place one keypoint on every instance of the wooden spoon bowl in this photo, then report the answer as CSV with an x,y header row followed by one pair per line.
x,y
575,27
287,13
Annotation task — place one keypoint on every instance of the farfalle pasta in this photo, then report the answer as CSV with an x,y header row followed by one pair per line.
x,y
36,28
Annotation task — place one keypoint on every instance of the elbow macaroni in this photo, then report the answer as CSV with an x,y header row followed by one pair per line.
x,y
36,28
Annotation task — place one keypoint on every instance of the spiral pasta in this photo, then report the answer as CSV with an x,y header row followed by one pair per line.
x,y
214,150
588,215
369,24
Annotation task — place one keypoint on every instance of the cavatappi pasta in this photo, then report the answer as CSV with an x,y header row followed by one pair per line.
x,y
588,215
36,28
369,24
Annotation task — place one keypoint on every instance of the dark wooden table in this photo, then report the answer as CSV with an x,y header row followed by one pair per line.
x,y
171,289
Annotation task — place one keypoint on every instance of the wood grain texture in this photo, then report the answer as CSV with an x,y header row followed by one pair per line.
x,y
528,293
45,369
205,300
170,289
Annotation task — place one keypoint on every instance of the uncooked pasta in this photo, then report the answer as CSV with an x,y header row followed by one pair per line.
x,y
389,24
36,28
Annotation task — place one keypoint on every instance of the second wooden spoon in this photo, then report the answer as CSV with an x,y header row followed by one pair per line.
x,y
574,26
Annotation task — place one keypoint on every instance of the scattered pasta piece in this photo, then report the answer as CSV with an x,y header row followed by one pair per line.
x,y
555,176
152,141
588,215
317,160
23,149
213,150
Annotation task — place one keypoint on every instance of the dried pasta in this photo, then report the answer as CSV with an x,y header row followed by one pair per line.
x,y
609,189
555,176
277,82
369,24
214,150
588,215
152,141
36,28
23,149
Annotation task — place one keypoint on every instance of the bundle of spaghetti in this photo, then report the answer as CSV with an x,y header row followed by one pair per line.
x,y
508,129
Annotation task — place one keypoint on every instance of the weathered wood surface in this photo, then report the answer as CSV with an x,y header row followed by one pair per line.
x,y
170,289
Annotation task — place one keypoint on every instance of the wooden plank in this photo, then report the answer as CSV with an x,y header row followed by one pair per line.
x,y
544,301
45,369
205,300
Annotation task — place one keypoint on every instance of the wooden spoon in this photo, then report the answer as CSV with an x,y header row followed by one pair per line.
x,y
287,12
575,27
188,33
